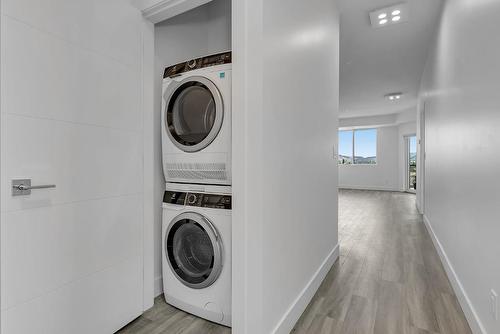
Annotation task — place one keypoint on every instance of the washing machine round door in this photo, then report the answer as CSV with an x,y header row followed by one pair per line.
x,y
193,113
194,250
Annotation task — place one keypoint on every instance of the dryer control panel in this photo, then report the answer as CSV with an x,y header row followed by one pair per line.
x,y
194,64
203,200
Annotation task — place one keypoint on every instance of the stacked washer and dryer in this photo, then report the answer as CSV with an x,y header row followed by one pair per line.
x,y
196,145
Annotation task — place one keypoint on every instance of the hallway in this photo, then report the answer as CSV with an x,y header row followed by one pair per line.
x,y
388,279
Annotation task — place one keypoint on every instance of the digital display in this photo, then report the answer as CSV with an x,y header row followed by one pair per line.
x,y
174,197
216,201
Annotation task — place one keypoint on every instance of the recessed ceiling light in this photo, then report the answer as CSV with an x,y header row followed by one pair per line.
x,y
394,96
387,16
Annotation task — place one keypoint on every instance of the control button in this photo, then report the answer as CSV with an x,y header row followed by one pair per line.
x,y
192,198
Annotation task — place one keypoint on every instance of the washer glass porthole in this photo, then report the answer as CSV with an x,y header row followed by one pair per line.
x,y
193,250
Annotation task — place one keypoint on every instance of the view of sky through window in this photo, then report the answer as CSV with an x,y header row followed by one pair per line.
x,y
364,150
365,143
413,145
345,143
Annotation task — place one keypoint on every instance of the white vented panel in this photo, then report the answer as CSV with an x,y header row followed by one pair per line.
x,y
197,171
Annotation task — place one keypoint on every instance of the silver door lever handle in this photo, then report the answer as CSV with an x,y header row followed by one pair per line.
x,y
25,187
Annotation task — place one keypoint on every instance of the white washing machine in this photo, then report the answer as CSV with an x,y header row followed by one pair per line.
x,y
196,121
196,254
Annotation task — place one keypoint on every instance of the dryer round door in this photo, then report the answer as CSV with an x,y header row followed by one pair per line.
x,y
193,113
194,250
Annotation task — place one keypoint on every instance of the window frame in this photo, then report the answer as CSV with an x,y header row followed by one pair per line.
x,y
353,153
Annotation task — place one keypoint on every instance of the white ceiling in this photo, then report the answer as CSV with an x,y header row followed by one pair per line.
x,y
375,62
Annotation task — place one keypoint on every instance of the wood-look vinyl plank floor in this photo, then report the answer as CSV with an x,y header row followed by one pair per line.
x,y
388,279
165,319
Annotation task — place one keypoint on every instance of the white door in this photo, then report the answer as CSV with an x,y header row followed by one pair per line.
x,y
71,256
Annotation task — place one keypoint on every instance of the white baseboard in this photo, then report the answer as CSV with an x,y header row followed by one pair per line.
x,y
287,322
158,286
469,311
369,188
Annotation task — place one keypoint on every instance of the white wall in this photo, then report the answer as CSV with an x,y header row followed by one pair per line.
x,y
285,175
202,31
420,155
379,119
71,257
460,89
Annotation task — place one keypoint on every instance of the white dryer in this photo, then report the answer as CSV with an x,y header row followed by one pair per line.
x,y
196,121
196,254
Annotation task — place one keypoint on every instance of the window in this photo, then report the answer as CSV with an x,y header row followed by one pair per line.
x,y
358,147
345,147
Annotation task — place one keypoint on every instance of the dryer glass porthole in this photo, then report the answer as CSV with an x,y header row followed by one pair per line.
x,y
194,113
193,250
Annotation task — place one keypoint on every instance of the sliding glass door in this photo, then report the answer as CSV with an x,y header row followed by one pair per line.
x,y
411,163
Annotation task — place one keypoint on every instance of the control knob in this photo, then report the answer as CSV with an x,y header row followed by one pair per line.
x,y
192,199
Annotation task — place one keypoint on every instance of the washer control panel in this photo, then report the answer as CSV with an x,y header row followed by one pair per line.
x,y
203,200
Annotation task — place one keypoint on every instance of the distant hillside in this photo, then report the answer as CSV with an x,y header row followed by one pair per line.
x,y
366,160
358,159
